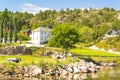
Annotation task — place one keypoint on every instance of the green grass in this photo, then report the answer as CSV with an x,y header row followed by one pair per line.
x,y
97,55
41,61
91,52
48,61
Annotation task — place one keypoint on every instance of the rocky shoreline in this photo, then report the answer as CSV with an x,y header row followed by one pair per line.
x,y
81,66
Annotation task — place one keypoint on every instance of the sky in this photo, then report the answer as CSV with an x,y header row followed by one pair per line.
x,y
34,6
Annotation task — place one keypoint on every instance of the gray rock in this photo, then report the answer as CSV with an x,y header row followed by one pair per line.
x,y
76,69
92,69
35,70
84,69
63,72
14,50
69,69
26,75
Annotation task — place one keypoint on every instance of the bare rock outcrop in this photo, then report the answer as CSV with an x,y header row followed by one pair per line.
x,y
14,50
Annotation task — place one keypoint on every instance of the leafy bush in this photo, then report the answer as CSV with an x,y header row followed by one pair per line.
x,y
10,66
110,43
39,51
22,36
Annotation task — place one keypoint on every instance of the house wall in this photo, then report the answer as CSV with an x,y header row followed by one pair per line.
x,y
44,36
35,37
39,37
107,36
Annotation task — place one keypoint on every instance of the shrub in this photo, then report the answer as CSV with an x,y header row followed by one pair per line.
x,y
39,51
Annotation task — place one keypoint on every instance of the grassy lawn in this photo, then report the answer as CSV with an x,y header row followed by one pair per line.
x,y
97,55
91,52
48,61
42,61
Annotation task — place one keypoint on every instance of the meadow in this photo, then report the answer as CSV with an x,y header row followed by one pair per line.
x,y
92,52
96,55
43,61
79,53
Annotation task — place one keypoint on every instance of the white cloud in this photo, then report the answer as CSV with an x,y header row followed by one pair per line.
x,y
31,8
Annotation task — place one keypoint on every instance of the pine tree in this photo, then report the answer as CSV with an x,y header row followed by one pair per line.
x,y
15,30
5,32
1,31
10,30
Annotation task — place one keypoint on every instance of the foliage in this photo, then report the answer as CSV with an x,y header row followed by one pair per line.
x,y
10,30
64,36
97,22
39,51
86,34
22,36
110,43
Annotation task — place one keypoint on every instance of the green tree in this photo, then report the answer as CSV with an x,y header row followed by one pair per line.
x,y
22,36
4,17
1,31
10,30
64,36
86,34
5,32
15,30
116,24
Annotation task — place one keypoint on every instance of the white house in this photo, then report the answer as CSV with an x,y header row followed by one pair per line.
x,y
40,35
112,33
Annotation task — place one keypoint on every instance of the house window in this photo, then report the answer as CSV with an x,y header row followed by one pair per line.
x,y
45,39
45,33
41,38
41,32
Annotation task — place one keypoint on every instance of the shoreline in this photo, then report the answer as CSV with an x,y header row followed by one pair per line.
x,y
78,67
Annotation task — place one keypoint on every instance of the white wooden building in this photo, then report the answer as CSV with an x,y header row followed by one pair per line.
x,y
112,33
40,35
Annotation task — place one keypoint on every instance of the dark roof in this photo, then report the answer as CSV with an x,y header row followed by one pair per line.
x,y
114,32
26,30
42,29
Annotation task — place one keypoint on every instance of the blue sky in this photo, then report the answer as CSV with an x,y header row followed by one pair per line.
x,y
36,5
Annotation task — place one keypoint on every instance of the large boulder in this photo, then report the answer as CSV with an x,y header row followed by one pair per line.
x,y
76,69
35,70
14,50
19,70
84,69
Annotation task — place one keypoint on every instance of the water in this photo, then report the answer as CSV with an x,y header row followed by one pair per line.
x,y
101,75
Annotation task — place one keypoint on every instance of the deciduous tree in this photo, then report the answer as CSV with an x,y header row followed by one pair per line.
x,y
64,36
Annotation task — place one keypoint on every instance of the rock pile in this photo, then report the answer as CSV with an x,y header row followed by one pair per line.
x,y
55,54
14,50
36,71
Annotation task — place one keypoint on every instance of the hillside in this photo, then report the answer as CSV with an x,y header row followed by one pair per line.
x,y
110,44
91,23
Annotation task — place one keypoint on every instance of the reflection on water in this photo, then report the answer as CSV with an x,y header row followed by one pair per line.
x,y
102,75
